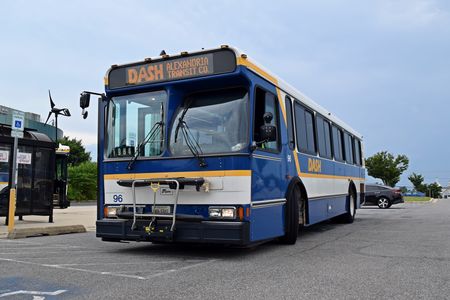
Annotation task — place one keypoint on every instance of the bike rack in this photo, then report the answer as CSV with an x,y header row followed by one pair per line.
x,y
153,215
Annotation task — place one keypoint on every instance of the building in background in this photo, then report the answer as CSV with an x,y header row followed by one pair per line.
x,y
446,191
32,122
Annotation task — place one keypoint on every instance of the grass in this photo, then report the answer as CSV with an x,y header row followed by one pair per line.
x,y
416,199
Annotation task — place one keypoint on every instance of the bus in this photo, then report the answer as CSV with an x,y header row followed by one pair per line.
x,y
210,147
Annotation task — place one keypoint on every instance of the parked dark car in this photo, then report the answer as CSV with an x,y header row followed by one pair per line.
x,y
383,196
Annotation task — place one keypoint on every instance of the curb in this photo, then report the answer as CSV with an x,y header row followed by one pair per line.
x,y
20,233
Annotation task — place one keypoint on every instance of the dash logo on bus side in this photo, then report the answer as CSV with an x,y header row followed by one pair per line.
x,y
118,198
314,165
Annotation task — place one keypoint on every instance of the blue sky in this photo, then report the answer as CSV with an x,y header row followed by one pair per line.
x,y
382,66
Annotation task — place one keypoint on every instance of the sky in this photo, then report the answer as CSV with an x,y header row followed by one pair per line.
x,y
381,66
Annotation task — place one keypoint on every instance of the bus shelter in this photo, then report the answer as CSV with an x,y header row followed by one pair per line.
x,y
36,173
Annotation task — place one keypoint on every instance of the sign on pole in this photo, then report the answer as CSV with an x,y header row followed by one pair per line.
x,y
17,124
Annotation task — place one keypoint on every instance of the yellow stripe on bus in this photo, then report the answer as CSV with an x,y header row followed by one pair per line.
x,y
297,164
179,174
258,70
282,105
252,66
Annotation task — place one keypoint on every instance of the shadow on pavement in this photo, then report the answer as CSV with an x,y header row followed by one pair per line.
x,y
211,251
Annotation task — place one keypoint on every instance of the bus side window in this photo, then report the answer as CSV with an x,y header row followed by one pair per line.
x,y
357,147
290,123
266,102
323,137
348,148
304,125
337,144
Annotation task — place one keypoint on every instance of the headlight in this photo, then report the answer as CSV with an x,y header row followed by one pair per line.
x,y
215,213
222,212
111,211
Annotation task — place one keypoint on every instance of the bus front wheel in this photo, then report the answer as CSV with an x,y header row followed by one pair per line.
x,y
293,212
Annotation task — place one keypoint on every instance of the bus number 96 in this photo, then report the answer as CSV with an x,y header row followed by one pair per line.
x,y
117,198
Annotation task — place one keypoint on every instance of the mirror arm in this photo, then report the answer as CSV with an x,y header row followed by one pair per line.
x,y
94,93
84,112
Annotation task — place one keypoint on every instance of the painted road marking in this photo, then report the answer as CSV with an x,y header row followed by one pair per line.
x,y
21,292
118,273
73,258
181,269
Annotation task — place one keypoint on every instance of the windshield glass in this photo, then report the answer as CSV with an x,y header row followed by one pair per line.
x,y
130,119
217,122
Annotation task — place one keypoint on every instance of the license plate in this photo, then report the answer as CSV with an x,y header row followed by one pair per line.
x,y
163,210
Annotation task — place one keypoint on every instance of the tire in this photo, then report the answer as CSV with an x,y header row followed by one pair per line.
x,y
292,216
349,216
384,203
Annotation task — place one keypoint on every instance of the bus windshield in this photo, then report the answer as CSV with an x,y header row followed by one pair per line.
x,y
130,119
216,122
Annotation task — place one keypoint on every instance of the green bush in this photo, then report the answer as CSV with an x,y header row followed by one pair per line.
x,y
83,182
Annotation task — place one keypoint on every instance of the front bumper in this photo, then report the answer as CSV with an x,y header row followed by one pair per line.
x,y
236,233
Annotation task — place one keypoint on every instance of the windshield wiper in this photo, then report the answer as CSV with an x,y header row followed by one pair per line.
x,y
154,131
192,143
181,119
189,138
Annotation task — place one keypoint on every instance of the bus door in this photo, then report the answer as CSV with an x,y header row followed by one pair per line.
x,y
267,176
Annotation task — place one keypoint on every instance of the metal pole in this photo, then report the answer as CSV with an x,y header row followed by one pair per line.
x,y
12,190
56,129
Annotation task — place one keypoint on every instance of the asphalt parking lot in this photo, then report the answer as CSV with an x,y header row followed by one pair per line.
x,y
399,253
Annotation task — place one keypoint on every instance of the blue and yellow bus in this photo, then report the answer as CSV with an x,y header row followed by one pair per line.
x,y
210,147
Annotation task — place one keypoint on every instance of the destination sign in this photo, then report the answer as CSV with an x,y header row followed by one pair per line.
x,y
217,62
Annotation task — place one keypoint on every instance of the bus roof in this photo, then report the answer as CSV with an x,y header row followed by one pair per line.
x,y
240,59
259,69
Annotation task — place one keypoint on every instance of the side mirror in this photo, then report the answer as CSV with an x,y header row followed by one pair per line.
x,y
268,132
84,100
84,103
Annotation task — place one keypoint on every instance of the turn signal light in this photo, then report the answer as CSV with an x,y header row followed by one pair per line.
x,y
241,213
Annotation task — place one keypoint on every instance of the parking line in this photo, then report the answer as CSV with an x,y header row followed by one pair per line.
x,y
117,274
39,248
130,263
180,269
69,268
51,252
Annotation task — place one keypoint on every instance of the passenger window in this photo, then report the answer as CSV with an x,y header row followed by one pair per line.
x,y
304,124
323,137
357,147
337,144
290,123
348,148
266,102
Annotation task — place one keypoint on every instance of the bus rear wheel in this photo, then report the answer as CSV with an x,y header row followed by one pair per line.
x,y
293,212
349,216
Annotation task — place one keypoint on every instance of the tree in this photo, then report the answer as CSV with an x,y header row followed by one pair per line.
x,y
78,152
384,166
404,189
83,181
434,190
417,181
